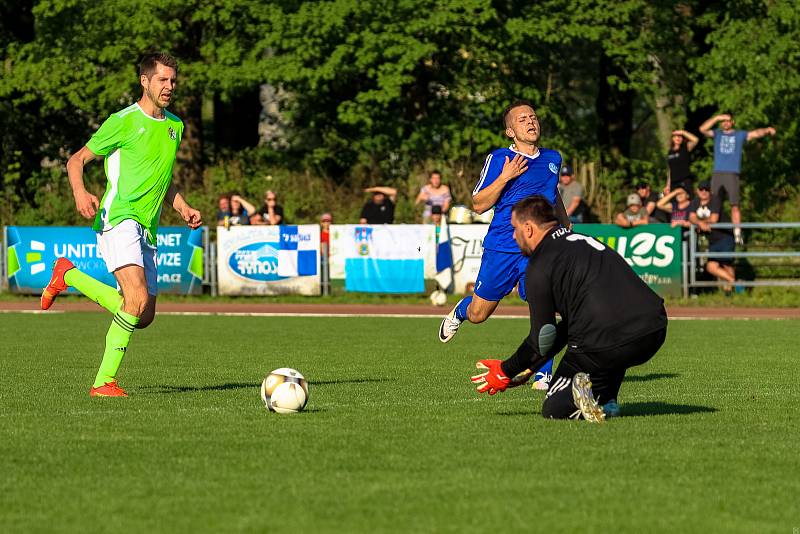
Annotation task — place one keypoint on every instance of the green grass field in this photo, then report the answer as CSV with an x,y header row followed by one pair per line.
x,y
394,438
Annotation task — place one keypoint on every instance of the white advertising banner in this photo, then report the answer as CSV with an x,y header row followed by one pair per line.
x,y
466,241
268,260
421,237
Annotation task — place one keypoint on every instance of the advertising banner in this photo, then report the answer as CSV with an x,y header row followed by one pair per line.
x,y
653,251
268,260
383,258
31,251
466,241
342,244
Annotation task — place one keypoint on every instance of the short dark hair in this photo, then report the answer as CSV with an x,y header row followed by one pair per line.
x,y
147,67
435,171
514,105
536,209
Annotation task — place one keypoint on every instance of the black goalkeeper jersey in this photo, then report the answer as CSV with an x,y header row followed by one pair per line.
x,y
602,302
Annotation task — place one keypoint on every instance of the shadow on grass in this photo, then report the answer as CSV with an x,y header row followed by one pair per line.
x,y
350,381
247,385
637,409
185,389
650,377
517,413
633,409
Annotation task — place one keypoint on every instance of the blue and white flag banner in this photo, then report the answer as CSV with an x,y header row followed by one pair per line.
x,y
341,246
268,260
384,258
444,257
31,251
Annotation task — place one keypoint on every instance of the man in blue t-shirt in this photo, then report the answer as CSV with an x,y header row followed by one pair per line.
x,y
508,175
728,144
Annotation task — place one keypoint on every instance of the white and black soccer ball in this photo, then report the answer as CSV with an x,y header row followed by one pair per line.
x,y
438,298
285,390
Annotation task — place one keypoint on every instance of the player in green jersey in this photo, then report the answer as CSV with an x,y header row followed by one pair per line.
x,y
139,145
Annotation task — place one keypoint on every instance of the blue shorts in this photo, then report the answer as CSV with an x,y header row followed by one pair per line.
x,y
500,272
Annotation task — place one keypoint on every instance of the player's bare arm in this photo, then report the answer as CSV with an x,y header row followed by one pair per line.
x,y
760,132
706,127
85,202
190,215
486,198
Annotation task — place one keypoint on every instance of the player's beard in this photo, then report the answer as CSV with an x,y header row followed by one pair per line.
x,y
156,100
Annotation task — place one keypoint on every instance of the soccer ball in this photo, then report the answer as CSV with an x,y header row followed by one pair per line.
x,y
438,298
284,390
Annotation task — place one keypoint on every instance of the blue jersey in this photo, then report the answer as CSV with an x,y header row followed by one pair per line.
x,y
541,178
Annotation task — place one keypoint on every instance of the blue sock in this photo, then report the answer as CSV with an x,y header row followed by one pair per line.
x,y
461,308
546,368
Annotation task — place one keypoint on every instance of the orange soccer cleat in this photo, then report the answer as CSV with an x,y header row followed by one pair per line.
x,y
109,389
57,283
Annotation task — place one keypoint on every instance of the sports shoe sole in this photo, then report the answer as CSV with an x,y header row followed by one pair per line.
x,y
584,400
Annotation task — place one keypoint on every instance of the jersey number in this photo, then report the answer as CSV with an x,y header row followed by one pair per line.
x,y
592,242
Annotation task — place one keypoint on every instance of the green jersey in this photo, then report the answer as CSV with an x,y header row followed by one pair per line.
x,y
139,153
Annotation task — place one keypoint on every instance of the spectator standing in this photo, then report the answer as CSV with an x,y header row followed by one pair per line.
x,y
634,214
271,213
380,209
223,210
241,210
679,161
325,222
571,192
728,145
649,202
434,193
676,202
704,211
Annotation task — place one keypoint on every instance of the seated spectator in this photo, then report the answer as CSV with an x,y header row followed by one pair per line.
x,y
380,209
271,213
240,211
571,192
223,210
436,215
649,201
434,193
634,214
325,222
676,202
704,211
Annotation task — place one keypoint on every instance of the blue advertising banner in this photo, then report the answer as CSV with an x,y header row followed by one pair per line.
x,y
268,260
33,249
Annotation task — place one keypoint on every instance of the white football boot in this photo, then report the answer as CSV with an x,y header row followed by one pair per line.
x,y
584,400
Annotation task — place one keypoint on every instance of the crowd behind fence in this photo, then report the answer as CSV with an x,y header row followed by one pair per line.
x,y
271,260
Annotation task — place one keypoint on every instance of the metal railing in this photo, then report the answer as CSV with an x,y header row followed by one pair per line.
x,y
695,255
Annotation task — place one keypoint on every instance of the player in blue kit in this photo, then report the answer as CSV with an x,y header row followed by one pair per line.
x,y
508,175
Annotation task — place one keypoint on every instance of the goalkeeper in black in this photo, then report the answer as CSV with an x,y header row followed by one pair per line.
x,y
610,319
